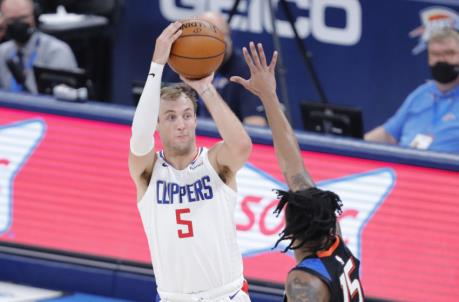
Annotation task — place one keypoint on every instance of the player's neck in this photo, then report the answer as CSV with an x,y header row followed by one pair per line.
x,y
180,160
306,251
300,254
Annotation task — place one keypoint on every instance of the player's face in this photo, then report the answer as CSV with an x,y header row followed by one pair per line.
x,y
177,125
444,51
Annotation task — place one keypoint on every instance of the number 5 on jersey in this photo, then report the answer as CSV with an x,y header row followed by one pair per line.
x,y
187,229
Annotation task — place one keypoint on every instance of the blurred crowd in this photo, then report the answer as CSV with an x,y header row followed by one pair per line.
x,y
427,119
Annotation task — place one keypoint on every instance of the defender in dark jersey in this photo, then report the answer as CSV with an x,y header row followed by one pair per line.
x,y
326,269
310,217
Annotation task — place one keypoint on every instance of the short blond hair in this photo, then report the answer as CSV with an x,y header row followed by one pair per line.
x,y
174,91
443,34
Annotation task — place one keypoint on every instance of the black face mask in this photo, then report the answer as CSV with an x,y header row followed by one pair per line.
x,y
19,31
444,73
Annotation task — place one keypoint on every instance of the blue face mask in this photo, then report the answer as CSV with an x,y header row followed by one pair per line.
x,y
19,31
444,72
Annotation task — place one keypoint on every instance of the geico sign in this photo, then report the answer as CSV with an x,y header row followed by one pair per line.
x,y
254,16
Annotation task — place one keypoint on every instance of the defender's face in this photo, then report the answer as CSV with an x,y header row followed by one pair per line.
x,y
177,125
444,51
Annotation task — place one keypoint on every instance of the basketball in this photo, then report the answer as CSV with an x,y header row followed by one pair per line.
x,y
199,50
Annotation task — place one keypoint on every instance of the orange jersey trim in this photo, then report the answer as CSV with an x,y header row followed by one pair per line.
x,y
330,250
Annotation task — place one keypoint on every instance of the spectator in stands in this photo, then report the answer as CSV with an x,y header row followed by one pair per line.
x,y
245,105
28,47
429,117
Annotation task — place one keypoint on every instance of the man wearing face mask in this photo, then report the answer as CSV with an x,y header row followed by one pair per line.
x,y
28,47
429,117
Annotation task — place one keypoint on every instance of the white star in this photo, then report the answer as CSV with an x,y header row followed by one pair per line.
x,y
258,228
17,142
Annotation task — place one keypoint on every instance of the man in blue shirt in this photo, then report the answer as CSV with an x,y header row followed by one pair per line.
x,y
429,117
244,104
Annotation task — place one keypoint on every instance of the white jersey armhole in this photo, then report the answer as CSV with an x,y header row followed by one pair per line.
x,y
156,163
209,166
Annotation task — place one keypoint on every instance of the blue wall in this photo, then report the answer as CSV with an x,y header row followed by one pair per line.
x,y
376,71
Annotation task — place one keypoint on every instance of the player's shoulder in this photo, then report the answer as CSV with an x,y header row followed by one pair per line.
x,y
305,286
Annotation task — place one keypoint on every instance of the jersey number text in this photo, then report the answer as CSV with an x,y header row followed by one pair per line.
x,y
187,230
350,287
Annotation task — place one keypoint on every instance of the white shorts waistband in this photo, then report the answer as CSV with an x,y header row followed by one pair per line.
x,y
216,294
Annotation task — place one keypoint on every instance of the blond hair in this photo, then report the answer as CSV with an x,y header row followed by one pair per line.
x,y
174,91
443,34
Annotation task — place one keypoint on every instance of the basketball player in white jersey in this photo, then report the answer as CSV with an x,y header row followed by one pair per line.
x,y
187,195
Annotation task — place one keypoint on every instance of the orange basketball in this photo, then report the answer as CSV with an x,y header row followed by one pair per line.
x,y
199,50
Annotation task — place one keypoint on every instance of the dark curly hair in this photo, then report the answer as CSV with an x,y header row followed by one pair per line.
x,y
310,218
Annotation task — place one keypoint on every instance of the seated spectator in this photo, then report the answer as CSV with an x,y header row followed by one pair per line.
x,y
28,47
245,105
429,117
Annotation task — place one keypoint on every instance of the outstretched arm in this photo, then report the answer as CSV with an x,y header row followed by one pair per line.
x,y
262,82
231,154
142,142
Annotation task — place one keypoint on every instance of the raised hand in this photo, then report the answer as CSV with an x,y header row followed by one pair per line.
x,y
164,42
262,79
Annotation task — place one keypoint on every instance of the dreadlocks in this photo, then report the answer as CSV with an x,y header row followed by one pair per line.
x,y
310,217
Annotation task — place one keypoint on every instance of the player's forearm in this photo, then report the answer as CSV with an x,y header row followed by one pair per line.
x,y
146,114
230,128
286,145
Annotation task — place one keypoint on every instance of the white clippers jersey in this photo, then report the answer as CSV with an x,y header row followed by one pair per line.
x,y
188,217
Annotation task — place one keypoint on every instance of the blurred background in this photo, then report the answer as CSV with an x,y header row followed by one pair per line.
x,y
69,226
362,51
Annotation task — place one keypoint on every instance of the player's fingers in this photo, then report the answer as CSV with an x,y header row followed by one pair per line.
x,y
176,35
165,34
254,53
239,80
248,58
168,29
272,65
262,55
172,29
177,26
